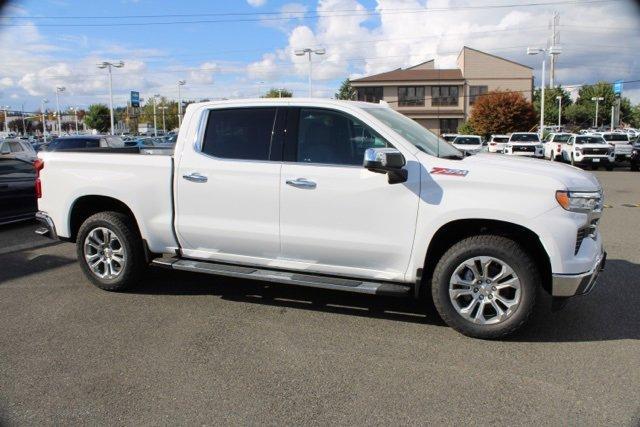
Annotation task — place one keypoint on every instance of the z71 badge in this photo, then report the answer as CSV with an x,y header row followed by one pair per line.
x,y
447,171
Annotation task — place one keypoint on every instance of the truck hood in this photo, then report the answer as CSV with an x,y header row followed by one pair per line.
x,y
529,169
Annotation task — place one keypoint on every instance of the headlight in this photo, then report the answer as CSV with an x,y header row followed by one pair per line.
x,y
580,201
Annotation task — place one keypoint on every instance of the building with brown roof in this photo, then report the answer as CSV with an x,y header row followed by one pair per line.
x,y
440,99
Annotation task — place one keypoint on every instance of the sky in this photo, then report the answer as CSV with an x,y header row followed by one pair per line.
x,y
241,48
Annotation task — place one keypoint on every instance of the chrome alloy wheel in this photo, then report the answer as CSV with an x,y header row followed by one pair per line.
x,y
485,290
104,253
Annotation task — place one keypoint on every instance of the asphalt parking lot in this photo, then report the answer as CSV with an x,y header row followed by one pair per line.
x,y
184,348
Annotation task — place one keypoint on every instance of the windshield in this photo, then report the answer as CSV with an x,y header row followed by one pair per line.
x,y
563,137
449,138
615,137
500,139
410,130
525,137
467,140
589,140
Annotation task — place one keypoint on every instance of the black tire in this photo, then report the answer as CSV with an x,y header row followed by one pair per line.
x,y
127,233
573,162
594,167
609,167
553,156
498,247
635,167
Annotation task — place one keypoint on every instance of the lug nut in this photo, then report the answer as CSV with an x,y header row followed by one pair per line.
x,y
490,296
479,282
488,281
475,289
493,288
481,297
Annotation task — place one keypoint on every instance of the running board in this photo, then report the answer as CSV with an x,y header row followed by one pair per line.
x,y
300,279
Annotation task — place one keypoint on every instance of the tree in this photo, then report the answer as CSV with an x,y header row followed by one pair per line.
x,y
502,112
278,93
582,112
170,113
465,128
551,104
97,117
346,91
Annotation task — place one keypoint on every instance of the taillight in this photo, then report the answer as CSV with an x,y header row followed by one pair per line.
x,y
38,165
492,143
559,147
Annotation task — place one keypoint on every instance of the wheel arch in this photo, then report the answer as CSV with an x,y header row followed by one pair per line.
x,y
454,231
85,206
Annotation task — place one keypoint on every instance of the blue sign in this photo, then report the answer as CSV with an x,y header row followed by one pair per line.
x,y
135,98
617,87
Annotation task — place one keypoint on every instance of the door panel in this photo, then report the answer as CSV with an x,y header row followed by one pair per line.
x,y
336,216
227,208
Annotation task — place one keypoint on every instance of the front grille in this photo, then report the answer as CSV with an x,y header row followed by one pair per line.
x,y
593,151
524,149
582,233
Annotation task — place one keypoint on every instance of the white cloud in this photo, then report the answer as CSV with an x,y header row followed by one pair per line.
x,y
256,3
204,74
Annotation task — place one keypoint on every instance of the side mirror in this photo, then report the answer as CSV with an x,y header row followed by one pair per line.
x,y
388,161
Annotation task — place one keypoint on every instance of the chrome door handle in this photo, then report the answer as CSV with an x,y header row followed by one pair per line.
x,y
195,177
301,183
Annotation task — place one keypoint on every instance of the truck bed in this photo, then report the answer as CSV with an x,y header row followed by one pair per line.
x,y
142,182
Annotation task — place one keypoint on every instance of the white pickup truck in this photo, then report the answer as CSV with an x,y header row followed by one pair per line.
x,y
332,194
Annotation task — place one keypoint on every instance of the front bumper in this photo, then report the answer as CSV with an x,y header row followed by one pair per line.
x,y
594,159
48,229
568,285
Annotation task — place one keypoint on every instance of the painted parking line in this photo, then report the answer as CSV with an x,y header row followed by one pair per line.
x,y
607,206
631,205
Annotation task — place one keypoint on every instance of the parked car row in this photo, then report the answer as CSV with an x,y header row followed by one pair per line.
x,y
594,149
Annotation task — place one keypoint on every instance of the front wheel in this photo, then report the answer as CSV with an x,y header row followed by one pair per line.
x,y
485,286
110,251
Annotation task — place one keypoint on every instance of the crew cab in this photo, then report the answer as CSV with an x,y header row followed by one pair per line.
x,y
497,143
590,150
554,144
524,144
471,144
621,146
341,195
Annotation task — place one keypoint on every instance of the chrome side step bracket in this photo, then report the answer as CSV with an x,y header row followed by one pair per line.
x,y
279,276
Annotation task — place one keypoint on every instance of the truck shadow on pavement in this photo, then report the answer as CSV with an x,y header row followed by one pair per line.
x,y
609,312
23,263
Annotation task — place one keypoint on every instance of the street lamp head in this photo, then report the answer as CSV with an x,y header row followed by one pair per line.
x,y
301,52
182,82
559,97
533,50
103,65
60,88
320,51
555,50
45,100
597,98
120,64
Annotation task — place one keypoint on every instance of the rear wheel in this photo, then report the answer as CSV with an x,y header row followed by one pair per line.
x,y
110,251
485,286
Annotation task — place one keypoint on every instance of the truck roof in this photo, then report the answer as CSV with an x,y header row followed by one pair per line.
x,y
288,101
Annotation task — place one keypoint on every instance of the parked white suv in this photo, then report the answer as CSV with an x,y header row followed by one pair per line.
x,y
622,148
340,195
589,149
554,144
497,143
471,144
524,144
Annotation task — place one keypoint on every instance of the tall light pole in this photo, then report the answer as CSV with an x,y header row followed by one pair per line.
x,y
75,116
164,126
24,124
155,126
180,83
597,99
110,65
307,51
559,98
44,121
5,108
58,90
553,50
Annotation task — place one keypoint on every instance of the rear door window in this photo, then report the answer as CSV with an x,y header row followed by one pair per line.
x,y
239,133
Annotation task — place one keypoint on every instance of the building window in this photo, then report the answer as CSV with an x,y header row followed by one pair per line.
x,y
448,126
444,95
370,94
474,92
410,95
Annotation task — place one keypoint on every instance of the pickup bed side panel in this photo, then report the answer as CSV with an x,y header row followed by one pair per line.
x,y
142,182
